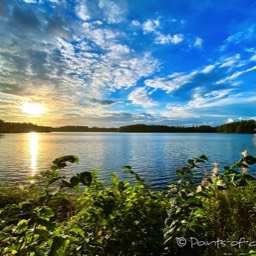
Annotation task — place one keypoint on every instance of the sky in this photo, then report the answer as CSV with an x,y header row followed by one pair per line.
x,y
109,63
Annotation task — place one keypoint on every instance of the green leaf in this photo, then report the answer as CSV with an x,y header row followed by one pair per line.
x,y
221,183
191,162
195,224
46,223
179,173
54,167
24,204
51,180
59,246
44,234
61,161
127,167
4,236
199,212
13,246
248,177
22,225
65,183
45,213
78,231
249,159
74,181
86,178
59,197
203,157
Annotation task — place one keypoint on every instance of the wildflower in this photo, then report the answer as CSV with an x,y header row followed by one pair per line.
x,y
244,153
245,166
215,168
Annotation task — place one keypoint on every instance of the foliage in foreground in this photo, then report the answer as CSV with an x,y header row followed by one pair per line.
x,y
125,219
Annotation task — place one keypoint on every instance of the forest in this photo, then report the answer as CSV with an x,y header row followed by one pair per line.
x,y
11,127
162,128
244,126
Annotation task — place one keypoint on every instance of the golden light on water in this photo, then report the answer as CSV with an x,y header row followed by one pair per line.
x,y
33,139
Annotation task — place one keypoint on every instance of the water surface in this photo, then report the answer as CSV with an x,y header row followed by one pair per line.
x,y
155,156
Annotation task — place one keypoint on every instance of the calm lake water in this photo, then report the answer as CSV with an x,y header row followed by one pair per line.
x,y
155,156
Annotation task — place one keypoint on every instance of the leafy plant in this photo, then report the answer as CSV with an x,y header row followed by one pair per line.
x,y
122,219
129,218
30,227
186,214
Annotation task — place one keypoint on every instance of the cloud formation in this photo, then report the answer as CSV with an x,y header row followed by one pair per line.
x,y
101,60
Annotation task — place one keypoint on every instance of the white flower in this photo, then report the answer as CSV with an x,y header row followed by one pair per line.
x,y
244,153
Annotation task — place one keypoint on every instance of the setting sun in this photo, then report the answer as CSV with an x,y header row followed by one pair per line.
x,y
34,109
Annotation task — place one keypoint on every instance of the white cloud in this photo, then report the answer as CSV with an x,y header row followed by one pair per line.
x,y
167,39
150,26
163,39
208,69
172,82
253,58
217,94
177,38
153,26
230,61
102,37
136,23
140,97
230,120
30,1
205,105
246,34
243,36
82,10
174,111
114,12
198,42
235,75
66,48
118,50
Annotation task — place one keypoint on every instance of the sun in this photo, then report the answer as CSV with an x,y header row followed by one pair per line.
x,y
34,109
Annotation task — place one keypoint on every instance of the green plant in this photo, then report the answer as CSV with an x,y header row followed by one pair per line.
x,y
30,227
14,195
128,218
186,214
122,219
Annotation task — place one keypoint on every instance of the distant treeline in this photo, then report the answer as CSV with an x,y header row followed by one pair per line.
x,y
245,126
10,127
162,128
83,129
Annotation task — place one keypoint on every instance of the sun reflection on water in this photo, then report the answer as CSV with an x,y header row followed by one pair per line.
x,y
33,139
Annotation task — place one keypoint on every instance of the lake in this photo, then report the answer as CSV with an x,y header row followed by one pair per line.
x,y
155,156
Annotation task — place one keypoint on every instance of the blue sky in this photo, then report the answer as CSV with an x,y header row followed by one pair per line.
x,y
117,62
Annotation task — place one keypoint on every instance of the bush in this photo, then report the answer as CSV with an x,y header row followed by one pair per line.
x,y
119,220
47,218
